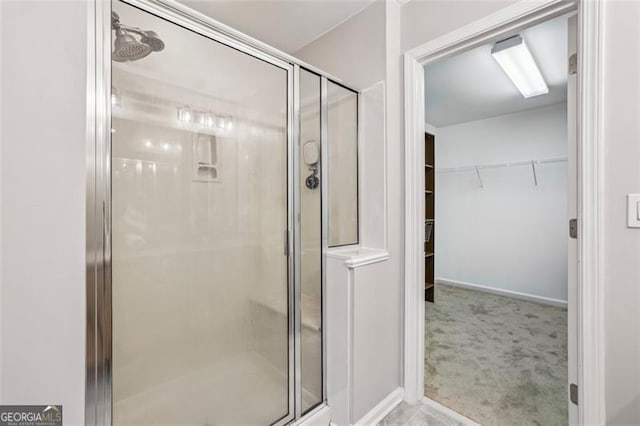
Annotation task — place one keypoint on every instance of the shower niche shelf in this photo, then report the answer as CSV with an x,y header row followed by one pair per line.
x,y
205,167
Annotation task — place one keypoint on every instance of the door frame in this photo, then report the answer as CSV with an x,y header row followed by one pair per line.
x,y
590,307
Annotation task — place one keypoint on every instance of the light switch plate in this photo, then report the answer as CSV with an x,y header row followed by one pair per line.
x,y
633,210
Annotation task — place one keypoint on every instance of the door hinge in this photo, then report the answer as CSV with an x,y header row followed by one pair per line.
x,y
573,64
573,393
573,228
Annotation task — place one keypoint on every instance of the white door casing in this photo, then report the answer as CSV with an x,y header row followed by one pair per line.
x,y
586,364
572,212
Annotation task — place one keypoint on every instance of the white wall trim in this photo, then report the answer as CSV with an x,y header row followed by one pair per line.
x,y
502,292
380,411
591,409
367,259
413,379
590,309
510,19
356,257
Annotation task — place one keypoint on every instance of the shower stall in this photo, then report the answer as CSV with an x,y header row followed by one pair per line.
x,y
209,217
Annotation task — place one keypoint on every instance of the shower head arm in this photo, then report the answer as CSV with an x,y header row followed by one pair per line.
x,y
134,30
116,25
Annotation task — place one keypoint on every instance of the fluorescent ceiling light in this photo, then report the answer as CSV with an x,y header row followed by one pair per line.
x,y
515,59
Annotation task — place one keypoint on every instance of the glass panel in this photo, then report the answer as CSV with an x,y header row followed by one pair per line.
x,y
311,240
199,206
343,165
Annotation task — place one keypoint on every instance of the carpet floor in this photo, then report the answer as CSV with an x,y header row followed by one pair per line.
x,y
496,360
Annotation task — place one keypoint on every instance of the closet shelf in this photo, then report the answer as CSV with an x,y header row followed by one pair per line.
x,y
530,163
500,165
429,215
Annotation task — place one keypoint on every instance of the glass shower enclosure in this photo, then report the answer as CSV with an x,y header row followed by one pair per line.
x,y
210,198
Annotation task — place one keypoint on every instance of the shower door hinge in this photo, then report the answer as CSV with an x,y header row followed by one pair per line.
x,y
573,393
573,228
573,64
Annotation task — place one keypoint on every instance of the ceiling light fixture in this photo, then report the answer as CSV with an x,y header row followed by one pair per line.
x,y
516,61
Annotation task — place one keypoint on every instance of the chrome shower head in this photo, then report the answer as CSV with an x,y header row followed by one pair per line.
x,y
152,39
127,48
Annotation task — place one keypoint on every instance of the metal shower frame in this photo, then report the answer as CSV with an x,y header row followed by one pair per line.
x,y
98,397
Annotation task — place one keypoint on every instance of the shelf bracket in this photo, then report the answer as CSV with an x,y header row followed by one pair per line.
x,y
535,175
479,177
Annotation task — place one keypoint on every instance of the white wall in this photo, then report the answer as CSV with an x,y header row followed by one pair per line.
x,y
621,244
510,235
424,20
621,88
353,51
42,175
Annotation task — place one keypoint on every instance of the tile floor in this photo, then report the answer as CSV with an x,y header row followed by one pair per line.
x,y
421,414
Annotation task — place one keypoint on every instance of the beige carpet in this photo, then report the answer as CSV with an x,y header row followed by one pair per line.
x,y
496,360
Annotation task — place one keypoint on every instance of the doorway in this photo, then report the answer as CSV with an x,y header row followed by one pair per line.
x,y
586,311
497,247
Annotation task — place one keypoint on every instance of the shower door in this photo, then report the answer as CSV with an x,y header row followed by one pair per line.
x,y
200,213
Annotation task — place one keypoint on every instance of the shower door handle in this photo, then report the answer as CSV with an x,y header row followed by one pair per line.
x,y
286,242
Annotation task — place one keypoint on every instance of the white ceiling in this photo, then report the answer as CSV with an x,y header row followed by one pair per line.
x,y
472,86
287,25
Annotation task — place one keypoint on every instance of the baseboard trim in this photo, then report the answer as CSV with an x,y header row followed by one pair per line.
x,y
502,292
381,410
449,413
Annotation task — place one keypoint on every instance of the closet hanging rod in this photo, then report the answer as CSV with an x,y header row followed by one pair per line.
x,y
500,165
